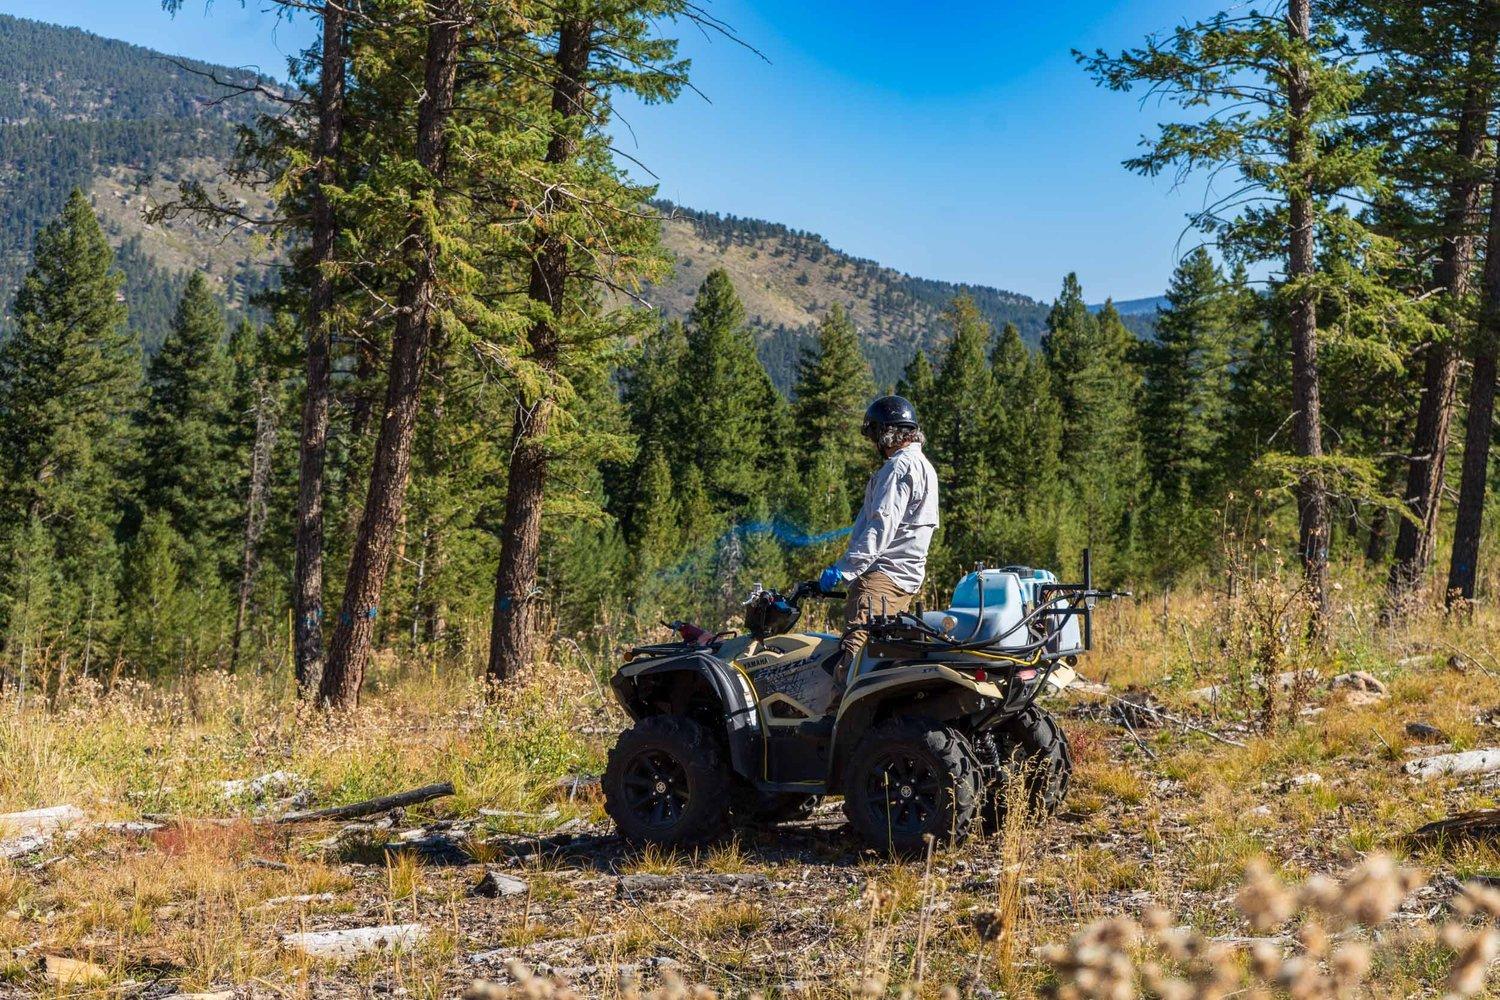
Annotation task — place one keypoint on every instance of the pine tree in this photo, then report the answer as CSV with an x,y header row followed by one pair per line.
x,y
834,385
188,468
589,236
698,527
68,375
1089,359
820,505
162,629
1268,94
916,380
1185,371
655,543
727,406
427,201
1023,438
1429,99
651,392
957,423
763,561
30,600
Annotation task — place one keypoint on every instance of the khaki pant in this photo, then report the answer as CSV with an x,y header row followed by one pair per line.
x,y
869,595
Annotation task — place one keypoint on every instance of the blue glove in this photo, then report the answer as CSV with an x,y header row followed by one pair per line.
x,y
829,580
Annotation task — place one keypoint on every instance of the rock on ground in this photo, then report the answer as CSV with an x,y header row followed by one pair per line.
x,y
494,884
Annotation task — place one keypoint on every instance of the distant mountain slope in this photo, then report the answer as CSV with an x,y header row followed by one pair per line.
x,y
788,278
126,124
76,109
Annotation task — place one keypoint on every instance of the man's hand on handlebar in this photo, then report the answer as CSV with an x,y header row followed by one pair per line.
x,y
829,580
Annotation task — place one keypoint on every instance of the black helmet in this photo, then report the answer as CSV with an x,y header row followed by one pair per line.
x,y
888,411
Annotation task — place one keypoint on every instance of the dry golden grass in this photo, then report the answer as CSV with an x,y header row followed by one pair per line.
x,y
1173,821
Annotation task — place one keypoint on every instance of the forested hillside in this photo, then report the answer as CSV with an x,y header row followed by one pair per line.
x,y
128,124
76,108
788,278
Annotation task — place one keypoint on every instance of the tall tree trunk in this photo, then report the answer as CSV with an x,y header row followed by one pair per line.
x,y
370,561
255,510
1463,567
1312,491
428,614
1416,537
1375,541
521,529
307,587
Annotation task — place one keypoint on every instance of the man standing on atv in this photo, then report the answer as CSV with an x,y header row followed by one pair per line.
x,y
887,555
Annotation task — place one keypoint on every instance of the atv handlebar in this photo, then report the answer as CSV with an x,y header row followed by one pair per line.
x,y
810,588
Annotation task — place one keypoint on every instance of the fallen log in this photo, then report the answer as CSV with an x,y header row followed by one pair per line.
x,y
1464,826
356,941
370,806
1455,764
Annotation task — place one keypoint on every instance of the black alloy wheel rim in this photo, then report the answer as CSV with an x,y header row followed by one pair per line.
x,y
904,791
656,788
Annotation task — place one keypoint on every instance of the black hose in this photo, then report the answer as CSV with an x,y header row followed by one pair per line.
x,y
979,616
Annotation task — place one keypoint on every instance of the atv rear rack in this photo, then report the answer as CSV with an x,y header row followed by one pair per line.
x,y
1057,602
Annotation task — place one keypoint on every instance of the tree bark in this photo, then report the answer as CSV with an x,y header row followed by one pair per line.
x,y
1375,541
370,561
307,586
1416,537
511,632
1312,492
1463,567
255,510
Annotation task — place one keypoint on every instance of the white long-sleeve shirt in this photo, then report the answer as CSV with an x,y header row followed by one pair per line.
x,y
895,525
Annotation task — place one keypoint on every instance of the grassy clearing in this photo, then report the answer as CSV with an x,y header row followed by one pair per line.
x,y
1166,819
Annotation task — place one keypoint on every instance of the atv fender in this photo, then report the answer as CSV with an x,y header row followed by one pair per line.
x,y
696,679
928,689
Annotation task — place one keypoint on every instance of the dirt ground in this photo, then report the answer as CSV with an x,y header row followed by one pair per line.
x,y
167,881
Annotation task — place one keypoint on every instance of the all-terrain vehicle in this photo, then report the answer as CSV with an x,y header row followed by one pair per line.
x,y
938,721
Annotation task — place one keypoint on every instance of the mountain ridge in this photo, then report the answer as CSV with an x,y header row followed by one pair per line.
x,y
126,123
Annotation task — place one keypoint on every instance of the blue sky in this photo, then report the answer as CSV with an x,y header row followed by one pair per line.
x,y
954,140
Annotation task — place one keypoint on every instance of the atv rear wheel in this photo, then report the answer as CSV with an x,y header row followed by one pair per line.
x,y
909,779
1030,749
666,783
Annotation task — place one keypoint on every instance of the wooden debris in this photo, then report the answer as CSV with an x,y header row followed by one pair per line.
x,y
264,786
30,831
1468,762
629,885
371,806
576,783
309,897
355,941
1480,823
72,971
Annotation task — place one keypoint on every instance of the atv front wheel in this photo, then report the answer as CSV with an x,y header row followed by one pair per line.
x,y
910,779
1032,751
666,783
